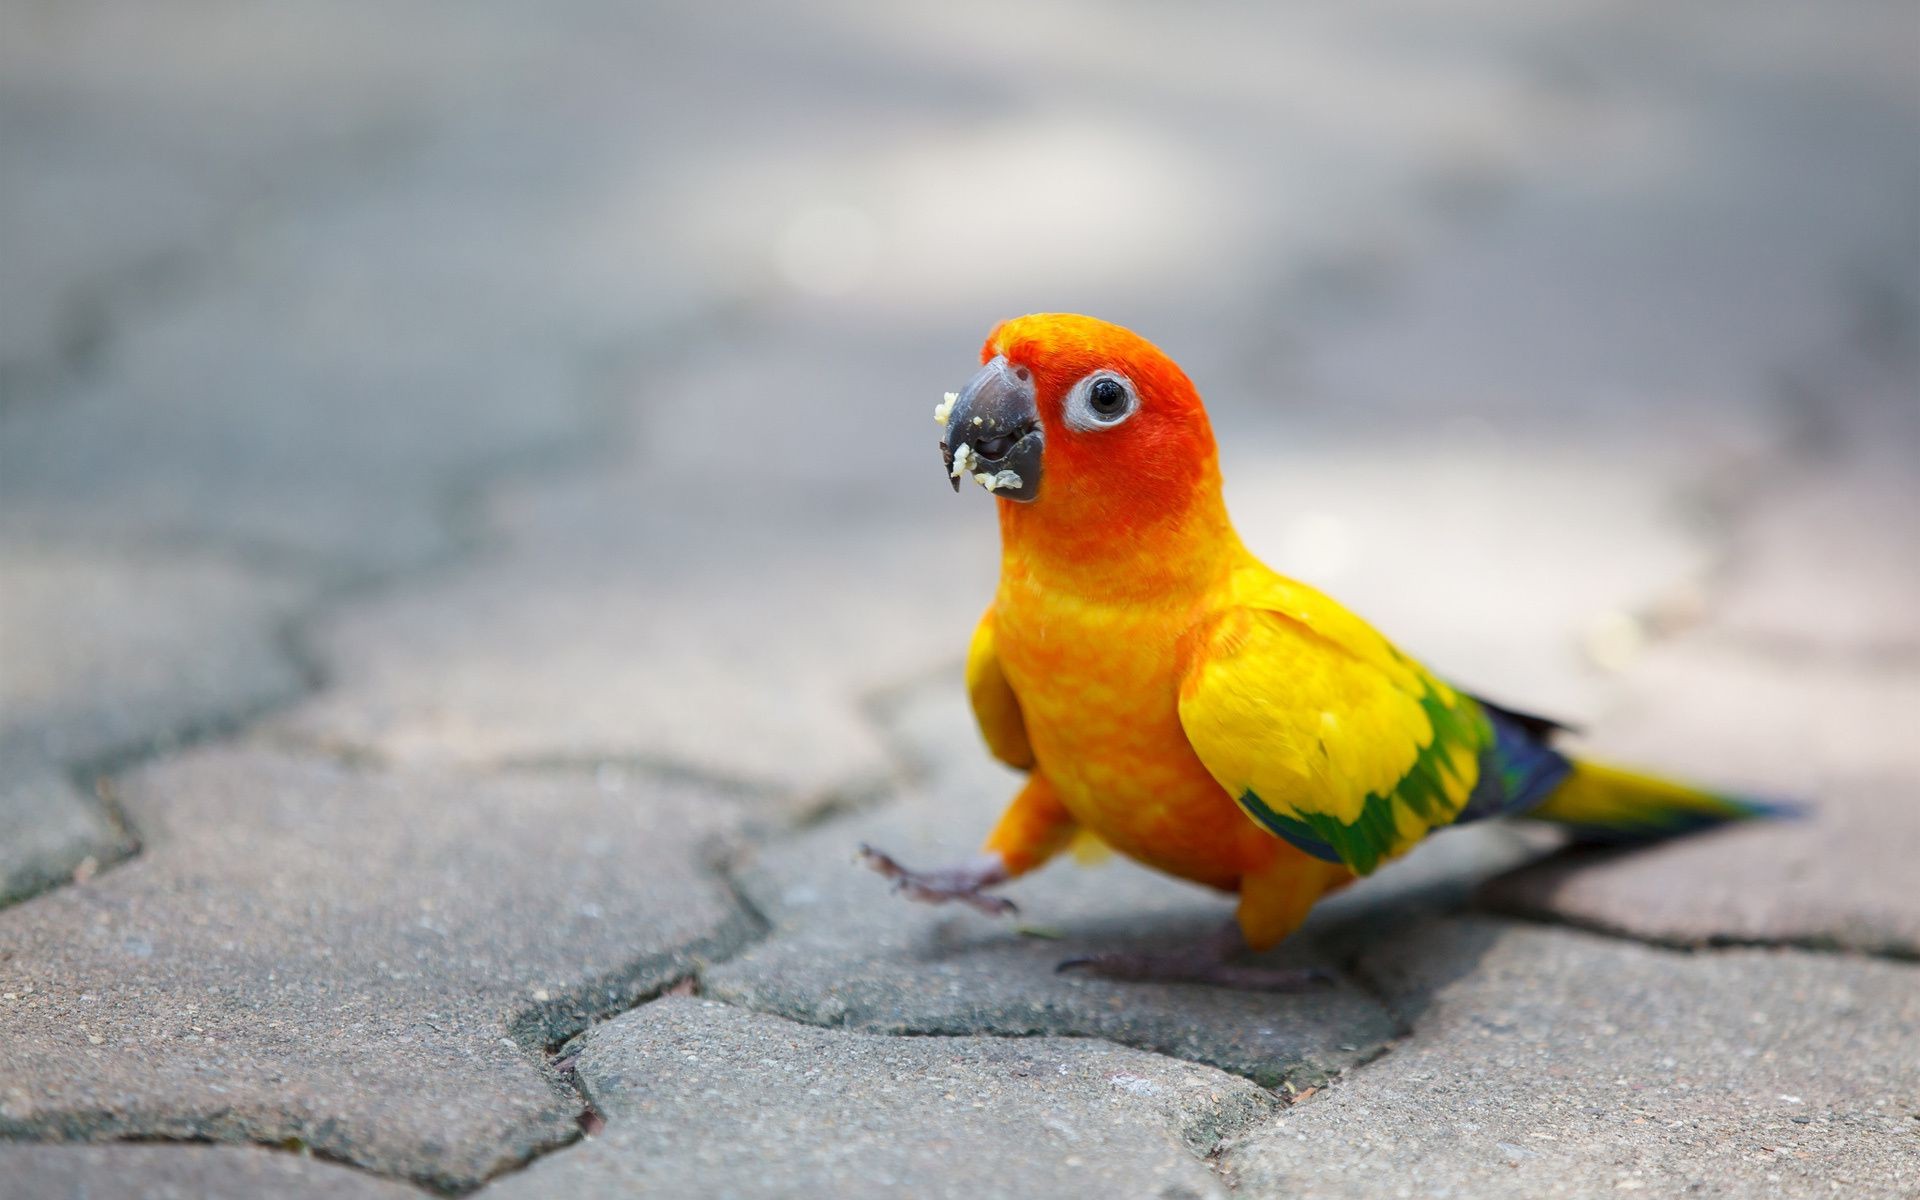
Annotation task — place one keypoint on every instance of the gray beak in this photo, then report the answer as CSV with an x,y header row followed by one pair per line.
x,y
996,427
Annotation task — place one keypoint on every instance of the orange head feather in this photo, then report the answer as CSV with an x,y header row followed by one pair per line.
x,y
1138,485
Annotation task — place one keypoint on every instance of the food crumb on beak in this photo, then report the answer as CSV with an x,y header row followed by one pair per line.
x,y
942,409
1005,479
963,461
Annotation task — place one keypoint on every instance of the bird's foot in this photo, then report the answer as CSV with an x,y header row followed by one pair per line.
x,y
1208,962
964,883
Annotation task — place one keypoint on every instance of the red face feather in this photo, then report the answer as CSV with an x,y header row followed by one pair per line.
x,y
1138,491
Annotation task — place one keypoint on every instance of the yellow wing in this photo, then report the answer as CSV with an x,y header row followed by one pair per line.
x,y
995,706
1324,733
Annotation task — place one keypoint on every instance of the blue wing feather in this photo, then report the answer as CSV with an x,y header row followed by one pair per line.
x,y
1520,769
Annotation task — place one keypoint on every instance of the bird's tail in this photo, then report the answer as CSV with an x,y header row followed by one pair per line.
x,y
1606,804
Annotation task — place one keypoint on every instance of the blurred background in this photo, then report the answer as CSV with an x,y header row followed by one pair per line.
x,y
490,384
470,512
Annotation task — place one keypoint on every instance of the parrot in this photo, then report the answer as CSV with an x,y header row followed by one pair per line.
x,y
1171,697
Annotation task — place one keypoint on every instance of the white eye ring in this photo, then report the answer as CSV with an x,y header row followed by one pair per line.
x,y
1091,404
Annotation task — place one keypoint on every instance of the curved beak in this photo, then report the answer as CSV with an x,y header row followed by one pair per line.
x,y
993,433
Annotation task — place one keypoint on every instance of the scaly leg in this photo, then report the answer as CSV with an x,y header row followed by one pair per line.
x,y
965,882
1033,829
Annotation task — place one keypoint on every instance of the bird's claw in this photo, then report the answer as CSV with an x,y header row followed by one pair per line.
x,y
951,885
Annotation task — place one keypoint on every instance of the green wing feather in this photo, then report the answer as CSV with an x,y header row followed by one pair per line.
x,y
1340,745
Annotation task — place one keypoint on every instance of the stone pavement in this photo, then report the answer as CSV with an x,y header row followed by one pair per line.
x,y
471,570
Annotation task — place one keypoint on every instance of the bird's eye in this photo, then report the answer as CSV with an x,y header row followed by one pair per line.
x,y
1101,401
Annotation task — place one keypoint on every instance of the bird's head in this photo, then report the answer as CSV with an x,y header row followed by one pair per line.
x,y
1081,419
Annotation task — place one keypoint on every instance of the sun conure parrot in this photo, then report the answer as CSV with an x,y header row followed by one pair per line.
x,y
1169,694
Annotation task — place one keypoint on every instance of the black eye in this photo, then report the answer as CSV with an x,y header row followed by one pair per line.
x,y
1108,397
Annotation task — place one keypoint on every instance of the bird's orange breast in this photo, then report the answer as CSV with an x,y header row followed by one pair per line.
x,y
1098,683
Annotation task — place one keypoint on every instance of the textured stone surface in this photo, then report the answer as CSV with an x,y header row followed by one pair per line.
x,y
138,145
1823,559
1508,592
1833,563
1440,875
701,600
1610,394
111,652
233,414
369,964
29,1172
724,570
106,652
1837,878
1831,734
704,1099
1661,286
845,952
1708,708
747,656
1552,1063
1536,334
363,308
48,830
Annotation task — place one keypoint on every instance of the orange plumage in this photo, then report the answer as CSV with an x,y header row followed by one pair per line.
x,y
1173,696
1101,587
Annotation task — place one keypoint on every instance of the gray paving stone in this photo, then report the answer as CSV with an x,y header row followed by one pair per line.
x,y
1832,566
1620,300
702,600
1828,732
365,963
417,250
1707,707
930,239
1553,1063
49,830
108,650
1511,593
845,952
1441,875
702,1099
185,1172
753,670
575,643
265,415
1823,560
136,147
1836,879
1604,359
363,307
592,635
